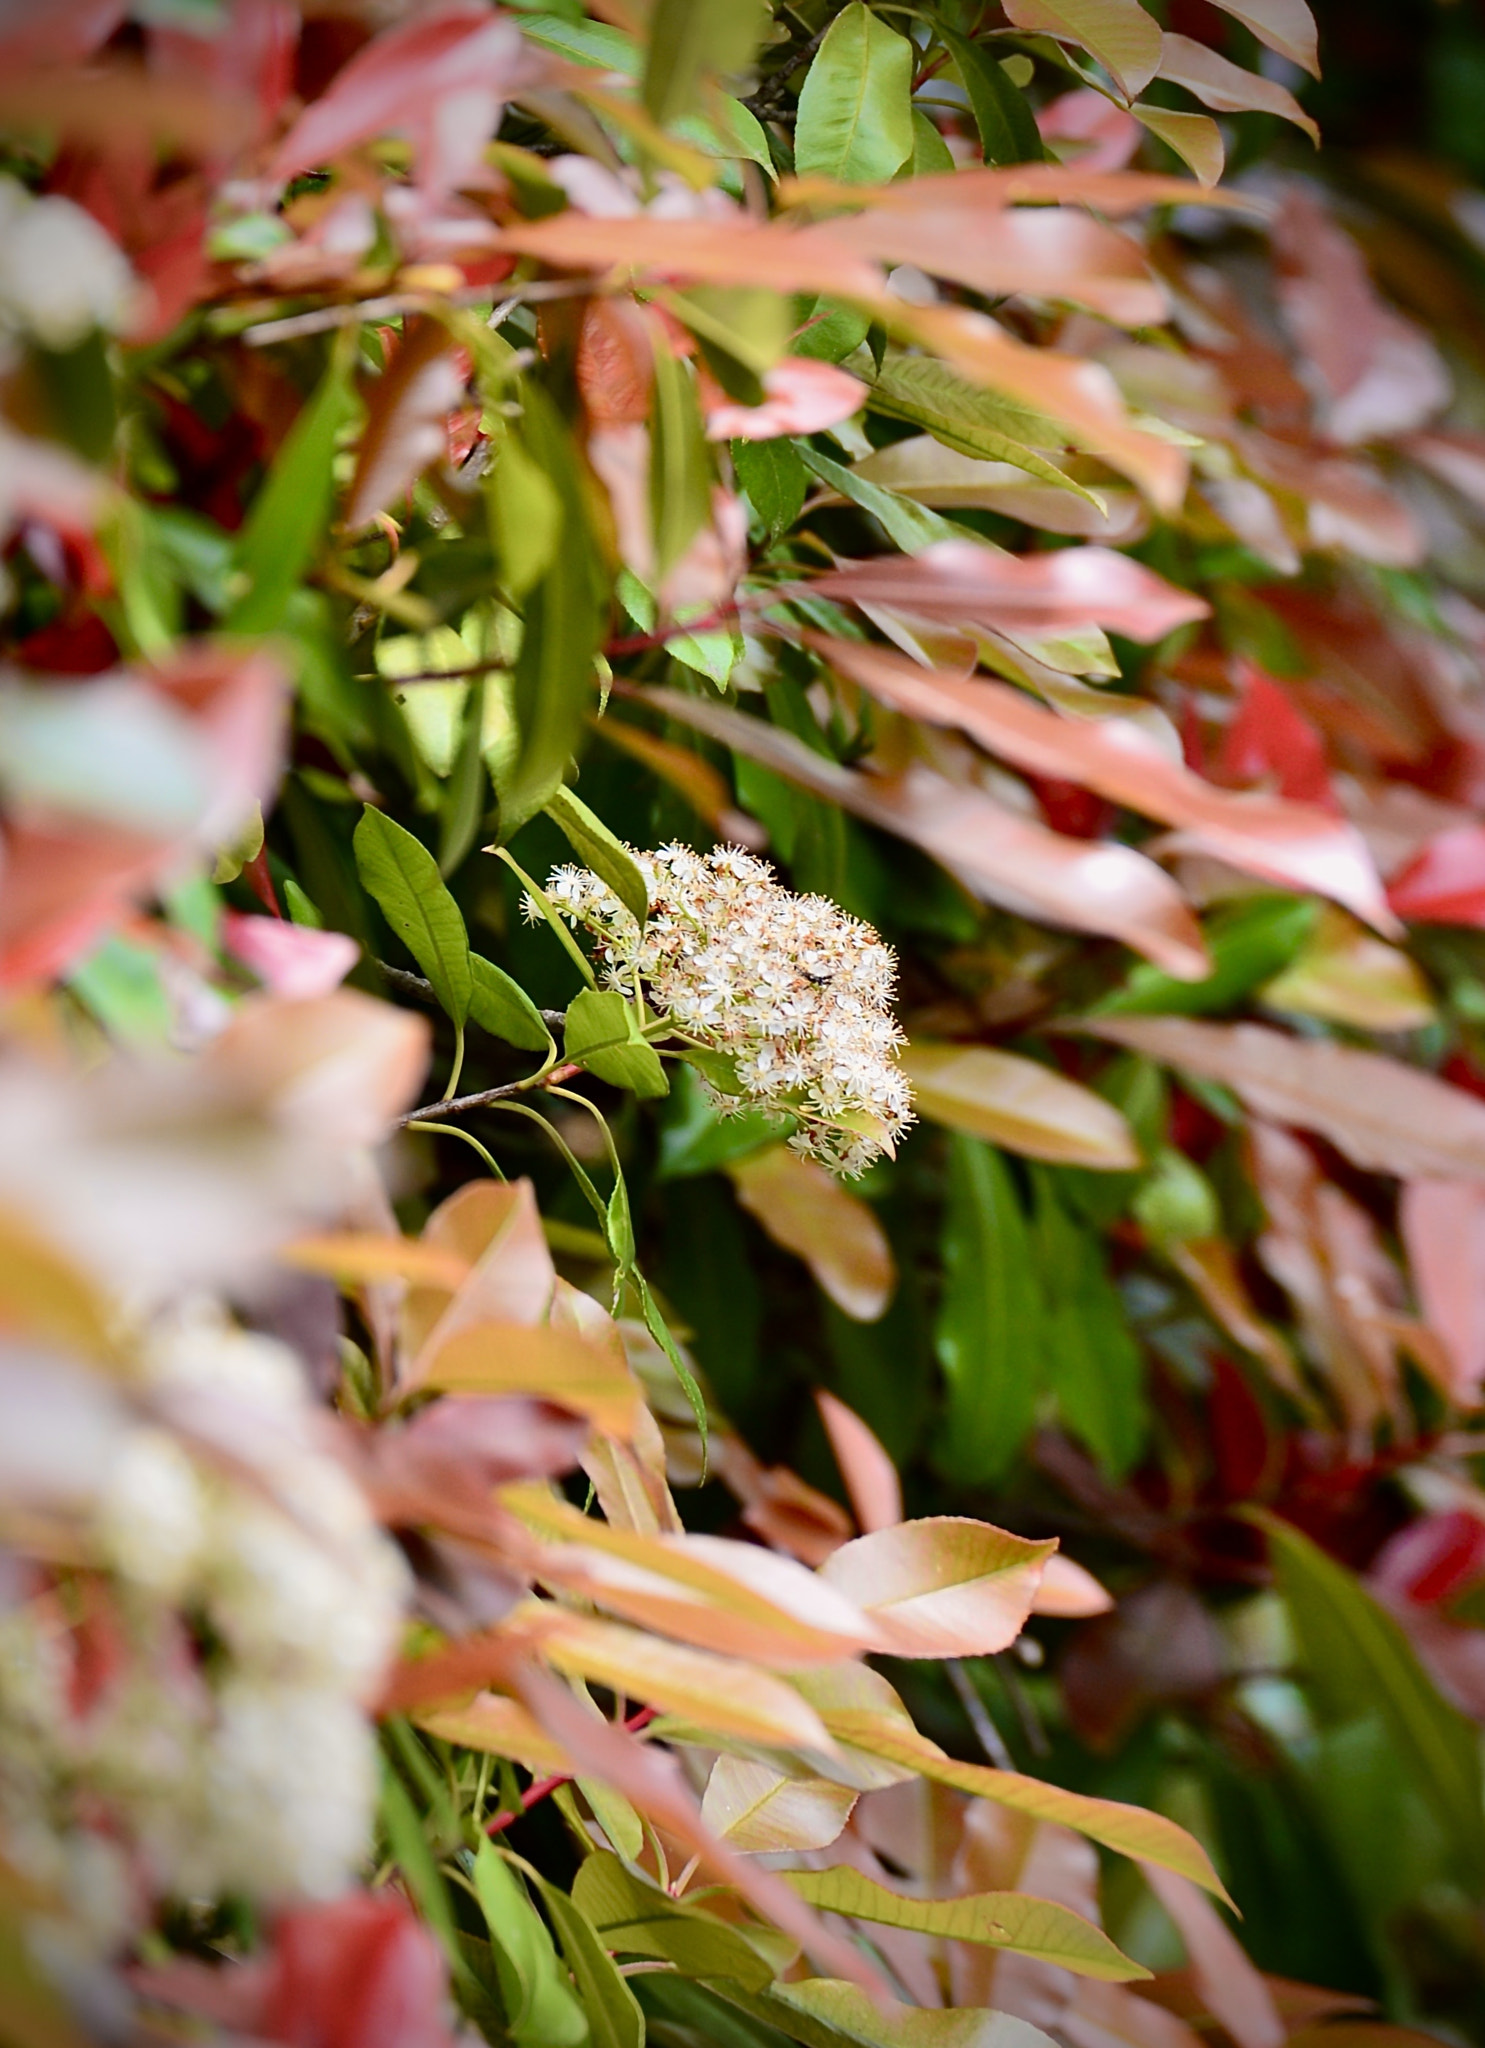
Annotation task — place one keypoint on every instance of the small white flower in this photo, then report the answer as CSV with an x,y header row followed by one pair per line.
x,y
150,1523
794,988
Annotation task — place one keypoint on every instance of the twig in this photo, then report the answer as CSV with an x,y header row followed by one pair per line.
x,y
321,318
545,1787
458,1103
415,985
987,1734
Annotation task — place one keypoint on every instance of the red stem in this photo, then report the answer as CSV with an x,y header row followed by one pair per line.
x,y
260,881
544,1787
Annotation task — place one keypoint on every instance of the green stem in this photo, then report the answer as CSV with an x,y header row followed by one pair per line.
x,y
591,1195
539,897
453,1131
458,1066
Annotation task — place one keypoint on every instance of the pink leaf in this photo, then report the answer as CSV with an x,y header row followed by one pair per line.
x,y
1231,1988
1446,883
870,1475
1443,1230
406,419
361,1973
803,397
291,959
958,583
1287,843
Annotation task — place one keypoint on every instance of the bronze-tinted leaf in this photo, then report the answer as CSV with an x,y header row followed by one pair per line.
x,y
1384,1115
1294,844
944,1587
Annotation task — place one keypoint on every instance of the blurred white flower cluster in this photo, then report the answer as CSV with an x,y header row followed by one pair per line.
x,y
796,992
60,274
201,1731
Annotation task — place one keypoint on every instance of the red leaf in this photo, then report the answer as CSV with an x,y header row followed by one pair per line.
x,y
440,79
1287,843
1240,1435
362,1973
406,419
1433,1559
957,583
1270,741
291,959
1446,883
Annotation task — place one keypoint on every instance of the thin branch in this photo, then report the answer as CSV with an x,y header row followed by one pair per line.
x,y
459,1103
414,985
392,304
987,1734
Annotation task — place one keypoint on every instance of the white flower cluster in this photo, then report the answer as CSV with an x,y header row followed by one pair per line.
x,y
251,1769
60,275
796,992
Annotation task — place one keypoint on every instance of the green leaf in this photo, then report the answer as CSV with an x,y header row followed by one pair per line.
x,y
830,330
967,417
855,119
908,526
525,516
775,480
1090,1357
619,1225
414,1858
1117,33
1356,1661
1249,943
988,1332
289,513
691,40
565,609
403,876
608,857
614,2016
601,1034
539,2007
1008,1920
697,1139
931,154
659,1329
503,1008
1008,130
636,1918
680,466
824,2012
464,800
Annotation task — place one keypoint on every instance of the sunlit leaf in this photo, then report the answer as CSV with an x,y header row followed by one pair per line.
x,y
512,1358
809,1212
944,1587
759,1810
403,876
598,848
1010,1920
1018,1104
1118,33
855,112
602,1034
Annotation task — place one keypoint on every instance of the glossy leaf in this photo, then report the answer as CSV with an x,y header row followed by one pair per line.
x,y
1010,1920
602,1035
406,412
289,515
1382,1114
499,1005
1002,855
855,113
1008,130
403,876
690,40
872,1485
614,2016
1018,1104
944,1587
1118,33
1358,1660
717,1694
555,1365
539,2004
987,1335
1129,1830
634,1917
760,1811
1285,25
597,848
810,1213
1226,87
